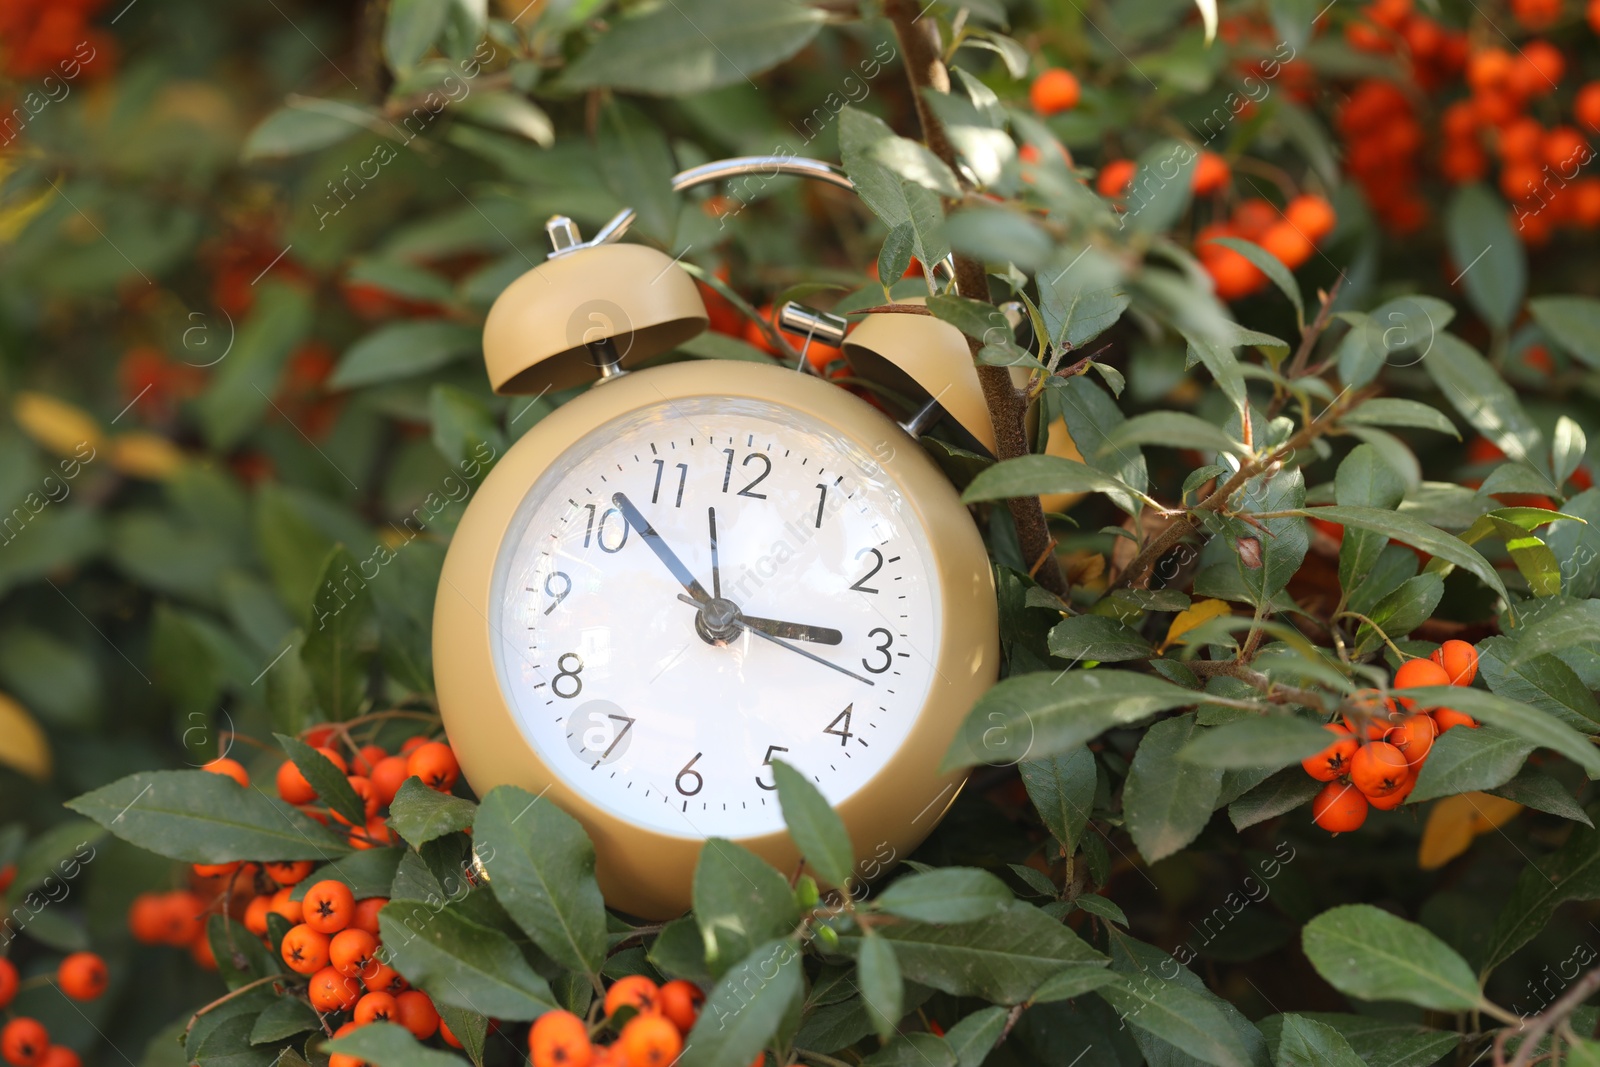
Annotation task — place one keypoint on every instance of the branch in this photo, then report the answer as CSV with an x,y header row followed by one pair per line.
x,y
1533,1030
1008,407
229,996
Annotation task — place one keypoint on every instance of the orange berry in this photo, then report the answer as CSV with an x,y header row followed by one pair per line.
x,y
8,874
680,1002
1586,106
331,991
232,768
8,981
1252,218
82,976
447,1037
1054,91
318,736
1287,243
635,991
1496,107
255,914
1393,800
293,910
388,775
1115,177
1390,14
292,785
1339,808
1211,174
1592,15
1232,275
1489,69
214,870
384,978
304,950
1459,660
415,1012
650,1041
1333,761
362,788
1415,673
1565,150
1378,769
289,872
1449,718
376,1008
329,906
1312,216
411,744
183,918
1539,70
1521,140
1463,162
1536,14
147,918
351,953
365,916
23,1042
1585,204
436,765
559,1039
375,834
60,1056
1459,120
1414,738
368,757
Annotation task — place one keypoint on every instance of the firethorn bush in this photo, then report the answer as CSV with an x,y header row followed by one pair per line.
x,y
1288,324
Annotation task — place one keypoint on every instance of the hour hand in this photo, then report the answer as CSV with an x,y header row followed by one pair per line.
x,y
642,527
791,631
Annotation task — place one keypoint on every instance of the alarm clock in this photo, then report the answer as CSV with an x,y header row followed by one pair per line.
x,y
697,568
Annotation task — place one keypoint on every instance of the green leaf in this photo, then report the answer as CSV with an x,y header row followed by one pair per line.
x,y
541,868
882,989
1077,309
1090,415
338,640
915,1049
1283,792
1367,953
243,384
1573,624
1271,266
200,817
1102,908
1390,411
471,1029
1003,959
1161,188
1535,789
1098,638
1482,398
1413,532
1282,541
946,895
1179,1017
639,167
978,319
241,957
746,1007
511,112
1401,611
1171,429
1571,872
1568,447
1074,981
283,1018
1573,322
1492,264
402,350
1062,789
1309,1043
1029,716
420,814
456,961
690,46
464,430
1270,741
1406,324
228,1045
1544,682
974,1037
1462,761
1168,801
306,124
58,852
368,873
1032,475
740,901
815,826
1525,722
331,784
889,196
410,30
390,1046
1379,1042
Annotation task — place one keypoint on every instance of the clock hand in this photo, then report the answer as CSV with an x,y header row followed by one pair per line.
x,y
716,575
750,626
642,527
794,631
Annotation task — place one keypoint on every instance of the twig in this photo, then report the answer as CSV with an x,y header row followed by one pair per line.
x,y
1534,1029
1008,409
1276,693
1308,342
229,996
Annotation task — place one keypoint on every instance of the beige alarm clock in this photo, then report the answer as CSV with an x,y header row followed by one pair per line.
x,y
696,568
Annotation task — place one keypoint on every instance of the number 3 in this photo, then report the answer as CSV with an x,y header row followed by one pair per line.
x,y
888,658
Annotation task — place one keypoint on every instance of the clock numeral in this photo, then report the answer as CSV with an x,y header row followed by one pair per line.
x,y
689,772
822,502
766,469
599,536
683,477
888,658
861,585
566,587
841,732
600,733
568,673
767,763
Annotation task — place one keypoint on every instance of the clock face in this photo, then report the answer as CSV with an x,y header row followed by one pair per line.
x,y
809,635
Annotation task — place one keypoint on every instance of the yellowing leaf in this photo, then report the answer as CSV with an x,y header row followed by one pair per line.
x,y
23,745
1201,611
1455,821
145,455
1208,15
54,424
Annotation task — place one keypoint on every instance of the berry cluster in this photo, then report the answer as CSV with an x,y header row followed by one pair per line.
x,y
654,1020
375,776
24,1042
1291,235
43,37
1375,759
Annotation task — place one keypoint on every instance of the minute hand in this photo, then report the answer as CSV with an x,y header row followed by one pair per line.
x,y
642,527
